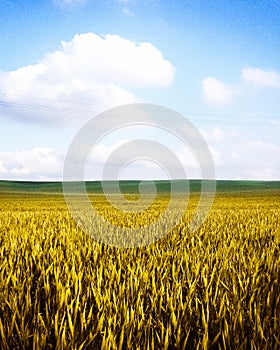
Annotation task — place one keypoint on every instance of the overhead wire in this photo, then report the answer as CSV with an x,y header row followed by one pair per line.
x,y
220,119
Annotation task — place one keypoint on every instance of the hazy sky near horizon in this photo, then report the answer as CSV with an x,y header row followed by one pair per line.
x,y
64,61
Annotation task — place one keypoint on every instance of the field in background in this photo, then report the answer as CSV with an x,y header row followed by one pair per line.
x,y
217,288
163,186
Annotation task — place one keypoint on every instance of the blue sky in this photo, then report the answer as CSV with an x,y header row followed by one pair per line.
x,y
216,62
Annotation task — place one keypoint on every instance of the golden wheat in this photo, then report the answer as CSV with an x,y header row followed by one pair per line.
x,y
216,288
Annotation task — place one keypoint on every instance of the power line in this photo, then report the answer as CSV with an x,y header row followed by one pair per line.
x,y
258,119
42,107
51,99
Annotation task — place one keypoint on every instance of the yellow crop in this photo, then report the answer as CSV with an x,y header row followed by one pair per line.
x,y
216,288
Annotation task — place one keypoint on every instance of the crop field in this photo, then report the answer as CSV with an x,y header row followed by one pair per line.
x,y
215,288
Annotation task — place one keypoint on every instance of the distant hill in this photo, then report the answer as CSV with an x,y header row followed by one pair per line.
x,y
127,186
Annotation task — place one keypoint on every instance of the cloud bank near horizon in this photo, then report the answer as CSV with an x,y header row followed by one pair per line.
x,y
233,161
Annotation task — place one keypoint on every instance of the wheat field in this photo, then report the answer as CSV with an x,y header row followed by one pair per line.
x,y
216,288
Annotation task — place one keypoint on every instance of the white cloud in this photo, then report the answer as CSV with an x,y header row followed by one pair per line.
x,y
3,170
250,159
265,174
150,166
261,78
213,134
127,11
36,164
102,151
218,93
88,74
244,152
253,159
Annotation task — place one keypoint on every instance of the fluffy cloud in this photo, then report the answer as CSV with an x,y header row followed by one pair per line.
x,y
250,159
88,74
213,134
36,164
218,93
261,78
258,160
